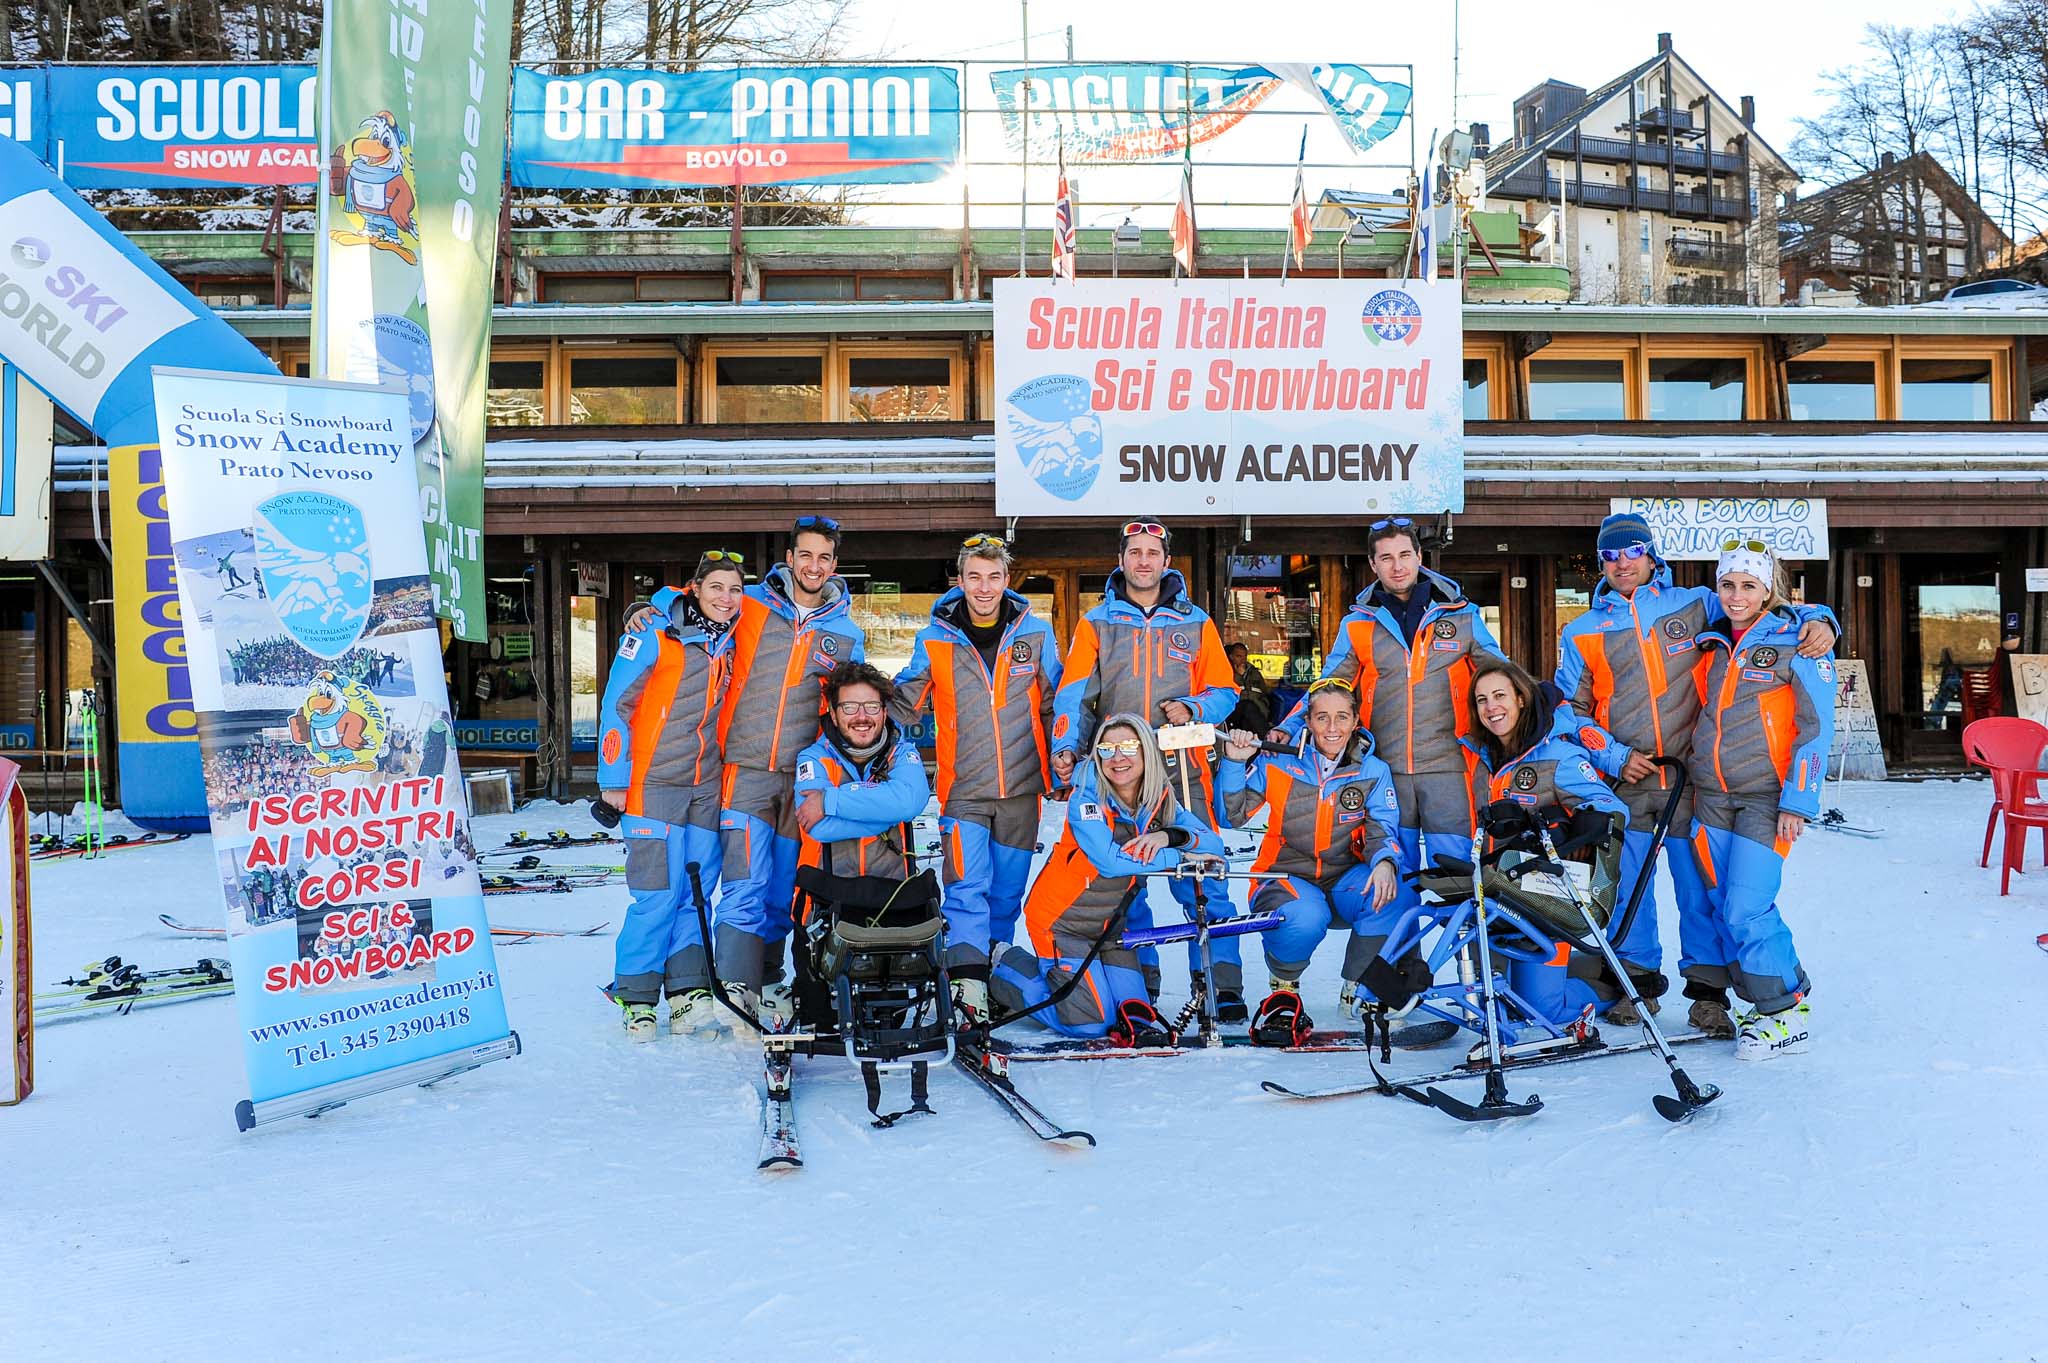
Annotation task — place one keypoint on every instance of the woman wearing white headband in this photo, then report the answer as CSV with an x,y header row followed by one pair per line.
x,y
1760,749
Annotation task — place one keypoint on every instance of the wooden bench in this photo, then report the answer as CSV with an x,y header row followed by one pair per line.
x,y
523,760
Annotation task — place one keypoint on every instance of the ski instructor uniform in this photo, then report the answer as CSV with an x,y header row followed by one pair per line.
x,y
658,743
1125,659
990,692
1410,664
780,656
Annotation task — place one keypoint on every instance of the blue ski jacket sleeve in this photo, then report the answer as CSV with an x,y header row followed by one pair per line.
x,y
863,809
1813,735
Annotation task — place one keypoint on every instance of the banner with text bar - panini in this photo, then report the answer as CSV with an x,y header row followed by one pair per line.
x,y
355,917
1309,397
371,258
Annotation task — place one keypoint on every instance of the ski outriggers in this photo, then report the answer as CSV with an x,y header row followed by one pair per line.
x,y
659,765
1629,664
1123,824
1149,651
793,629
1331,852
1760,752
987,668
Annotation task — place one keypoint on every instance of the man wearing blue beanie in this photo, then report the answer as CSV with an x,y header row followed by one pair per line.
x,y
1627,663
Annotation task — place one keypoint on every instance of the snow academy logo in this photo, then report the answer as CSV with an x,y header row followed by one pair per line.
x,y
314,554
1058,438
1392,316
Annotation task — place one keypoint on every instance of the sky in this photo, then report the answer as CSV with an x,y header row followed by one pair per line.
x,y
1767,48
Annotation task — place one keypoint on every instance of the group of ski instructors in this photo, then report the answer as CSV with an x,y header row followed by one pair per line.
x,y
743,733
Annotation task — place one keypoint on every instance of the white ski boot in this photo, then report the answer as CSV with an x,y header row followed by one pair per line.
x,y
1766,1036
970,999
694,1011
778,1002
640,1023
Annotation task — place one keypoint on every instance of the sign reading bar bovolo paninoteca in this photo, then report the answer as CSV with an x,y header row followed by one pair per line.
x,y
1228,397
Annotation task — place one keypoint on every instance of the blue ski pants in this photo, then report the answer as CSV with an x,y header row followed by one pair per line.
x,y
988,846
660,946
1311,909
1021,978
1740,939
757,827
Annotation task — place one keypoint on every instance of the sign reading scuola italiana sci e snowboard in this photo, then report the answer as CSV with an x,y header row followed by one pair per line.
x,y
355,917
1311,397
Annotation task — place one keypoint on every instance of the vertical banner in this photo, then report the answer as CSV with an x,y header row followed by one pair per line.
x,y
370,321
458,168
86,315
355,916
17,987
27,429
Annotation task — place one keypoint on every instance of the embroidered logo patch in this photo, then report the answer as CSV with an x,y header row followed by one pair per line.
x,y
828,644
1764,657
807,771
1446,629
1350,798
1826,668
1020,652
1748,675
1180,640
629,647
1525,778
1675,627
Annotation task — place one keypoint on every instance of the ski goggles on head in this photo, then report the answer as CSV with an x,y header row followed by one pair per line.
x,y
825,523
1127,747
1145,528
984,542
722,556
1331,684
1404,522
1631,552
1734,543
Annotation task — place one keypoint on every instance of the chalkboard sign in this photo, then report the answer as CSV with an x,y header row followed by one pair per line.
x,y
1858,754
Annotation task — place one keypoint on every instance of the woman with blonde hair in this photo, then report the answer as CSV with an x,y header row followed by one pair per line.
x,y
1122,823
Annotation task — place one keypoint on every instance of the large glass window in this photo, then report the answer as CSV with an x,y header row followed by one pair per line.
x,y
906,286
1832,390
584,612
19,688
516,396
1478,384
685,288
1707,388
754,389
1577,390
622,390
807,288
592,288
1572,597
899,388
1945,390
496,691
1274,608
1958,628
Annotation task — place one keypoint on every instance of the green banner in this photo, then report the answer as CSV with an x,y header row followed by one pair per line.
x,y
413,97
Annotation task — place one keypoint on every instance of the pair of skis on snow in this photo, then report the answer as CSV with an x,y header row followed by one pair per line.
x,y
113,986
502,931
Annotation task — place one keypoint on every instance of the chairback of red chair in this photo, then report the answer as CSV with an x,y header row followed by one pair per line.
x,y
2006,743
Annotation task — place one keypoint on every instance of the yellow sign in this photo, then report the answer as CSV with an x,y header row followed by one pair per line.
x,y
159,732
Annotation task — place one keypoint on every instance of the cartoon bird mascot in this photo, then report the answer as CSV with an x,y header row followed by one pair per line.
x,y
341,725
371,173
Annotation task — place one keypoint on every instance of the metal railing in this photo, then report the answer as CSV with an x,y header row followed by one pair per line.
x,y
1705,253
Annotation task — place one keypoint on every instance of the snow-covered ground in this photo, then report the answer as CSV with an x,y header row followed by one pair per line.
x,y
1879,1197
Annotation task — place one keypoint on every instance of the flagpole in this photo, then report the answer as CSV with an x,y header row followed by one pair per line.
x,y
1024,163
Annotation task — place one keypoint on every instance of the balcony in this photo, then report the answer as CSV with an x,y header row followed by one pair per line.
x,y
1617,150
1620,196
1705,254
1694,294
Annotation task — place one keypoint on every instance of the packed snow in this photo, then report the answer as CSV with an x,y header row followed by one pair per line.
x,y
1878,1197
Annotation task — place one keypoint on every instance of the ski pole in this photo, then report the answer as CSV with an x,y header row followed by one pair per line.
x,y
1627,918
1691,1097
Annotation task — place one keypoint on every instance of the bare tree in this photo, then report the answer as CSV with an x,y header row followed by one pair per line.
x,y
2009,39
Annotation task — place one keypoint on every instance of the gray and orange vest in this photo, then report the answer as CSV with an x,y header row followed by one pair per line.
x,y
658,720
991,724
1316,829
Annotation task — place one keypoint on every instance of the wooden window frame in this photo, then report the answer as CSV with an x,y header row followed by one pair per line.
x,y
1751,353
707,370
1495,354
1998,351
985,380
1877,352
561,373
550,412
838,399
1627,349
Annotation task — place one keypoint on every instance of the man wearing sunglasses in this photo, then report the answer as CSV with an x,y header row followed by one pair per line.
x,y
794,627
1149,650
1627,664
988,668
1408,646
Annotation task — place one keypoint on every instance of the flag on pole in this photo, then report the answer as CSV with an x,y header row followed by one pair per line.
x,y
1063,224
1184,222
1299,230
1421,258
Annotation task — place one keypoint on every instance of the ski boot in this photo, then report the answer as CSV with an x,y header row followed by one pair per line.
x,y
1766,1036
1230,1004
640,1024
970,1001
1281,1020
1711,1019
778,1003
1624,1014
694,1011
1138,1026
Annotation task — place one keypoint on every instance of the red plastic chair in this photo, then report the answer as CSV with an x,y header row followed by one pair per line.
x,y
2011,750
1980,694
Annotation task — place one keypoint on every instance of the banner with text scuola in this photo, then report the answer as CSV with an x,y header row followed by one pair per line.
x,y
171,127
341,839
1314,397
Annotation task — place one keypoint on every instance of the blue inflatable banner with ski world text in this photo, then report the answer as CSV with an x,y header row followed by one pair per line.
x,y
750,126
181,127
85,316
355,917
1144,111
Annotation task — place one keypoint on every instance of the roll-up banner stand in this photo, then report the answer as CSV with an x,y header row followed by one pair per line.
x,y
355,918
